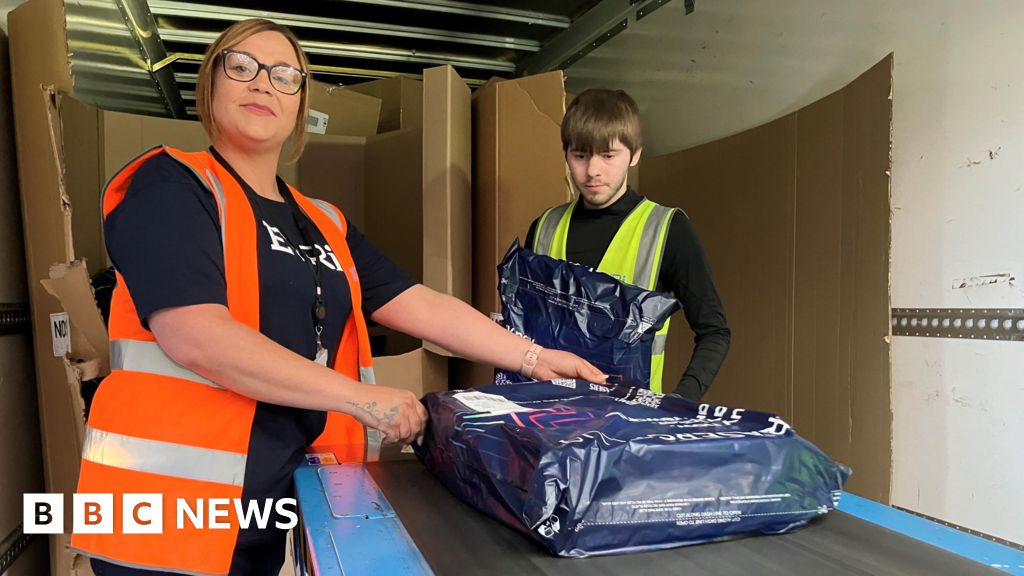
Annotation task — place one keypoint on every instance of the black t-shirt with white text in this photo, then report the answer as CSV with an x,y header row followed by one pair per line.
x,y
165,240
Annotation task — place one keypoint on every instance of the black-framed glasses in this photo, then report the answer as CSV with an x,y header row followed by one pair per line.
x,y
242,67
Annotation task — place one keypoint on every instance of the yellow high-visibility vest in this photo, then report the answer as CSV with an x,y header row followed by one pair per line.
x,y
633,257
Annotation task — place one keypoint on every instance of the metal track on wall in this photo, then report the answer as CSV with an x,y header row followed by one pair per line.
x,y
989,537
142,57
14,319
12,547
963,323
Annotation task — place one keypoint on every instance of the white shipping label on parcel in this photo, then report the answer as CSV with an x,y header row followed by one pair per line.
x,y
60,329
490,403
317,122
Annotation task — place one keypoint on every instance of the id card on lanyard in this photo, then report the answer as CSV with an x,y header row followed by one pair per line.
x,y
321,353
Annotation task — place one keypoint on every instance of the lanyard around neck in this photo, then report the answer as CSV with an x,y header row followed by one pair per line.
x,y
319,310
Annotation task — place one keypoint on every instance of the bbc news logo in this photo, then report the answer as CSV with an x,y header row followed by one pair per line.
x,y
144,513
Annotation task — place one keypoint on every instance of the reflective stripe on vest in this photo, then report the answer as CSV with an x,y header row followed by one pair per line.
x,y
166,458
544,236
141,356
633,256
159,427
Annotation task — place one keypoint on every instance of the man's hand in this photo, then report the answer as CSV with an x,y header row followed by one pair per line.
x,y
558,364
398,414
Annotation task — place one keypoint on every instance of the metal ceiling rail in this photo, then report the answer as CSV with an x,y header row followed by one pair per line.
x,y
471,9
84,23
593,28
111,40
110,68
143,28
85,50
126,90
232,14
359,51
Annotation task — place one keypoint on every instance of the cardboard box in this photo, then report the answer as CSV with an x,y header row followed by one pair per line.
x,y
19,418
402,99
519,171
420,371
447,178
39,57
794,216
407,190
341,112
343,184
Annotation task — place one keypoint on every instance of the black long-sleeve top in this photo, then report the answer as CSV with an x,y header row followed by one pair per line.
x,y
684,273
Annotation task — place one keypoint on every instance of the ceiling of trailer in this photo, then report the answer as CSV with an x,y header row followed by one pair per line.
x,y
142,56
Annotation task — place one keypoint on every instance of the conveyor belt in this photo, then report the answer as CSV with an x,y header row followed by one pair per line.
x,y
459,541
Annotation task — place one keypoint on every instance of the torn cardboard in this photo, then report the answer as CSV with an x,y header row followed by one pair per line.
x,y
19,420
39,57
70,284
518,171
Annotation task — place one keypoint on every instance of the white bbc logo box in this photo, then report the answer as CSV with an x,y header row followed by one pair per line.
x,y
43,513
93,513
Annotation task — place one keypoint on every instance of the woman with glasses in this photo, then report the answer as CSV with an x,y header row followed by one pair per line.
x,y
238,331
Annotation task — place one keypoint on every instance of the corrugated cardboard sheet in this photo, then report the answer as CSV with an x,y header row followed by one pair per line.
x,y
39,57
447,203
518,171
19,418
794,216
348,113
401,101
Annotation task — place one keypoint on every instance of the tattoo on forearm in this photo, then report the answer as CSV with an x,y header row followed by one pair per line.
x,y
382,418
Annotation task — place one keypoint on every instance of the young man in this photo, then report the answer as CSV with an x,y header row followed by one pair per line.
x,y
612,228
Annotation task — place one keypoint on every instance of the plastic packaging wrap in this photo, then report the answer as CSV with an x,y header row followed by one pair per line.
x,y
566,306
586,469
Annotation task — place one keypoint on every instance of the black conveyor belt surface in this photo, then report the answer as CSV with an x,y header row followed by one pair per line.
x,y
457,540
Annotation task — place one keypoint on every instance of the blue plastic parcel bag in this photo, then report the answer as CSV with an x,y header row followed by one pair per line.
x,y
585,469
563,305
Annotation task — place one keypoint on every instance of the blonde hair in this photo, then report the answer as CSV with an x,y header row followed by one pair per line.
x,y
597,117
232,36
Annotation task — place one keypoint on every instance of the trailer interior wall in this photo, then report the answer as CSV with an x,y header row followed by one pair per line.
x,y
799,209
957,194
22,469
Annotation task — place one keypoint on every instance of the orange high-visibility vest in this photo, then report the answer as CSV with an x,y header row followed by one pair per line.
x,y
156,427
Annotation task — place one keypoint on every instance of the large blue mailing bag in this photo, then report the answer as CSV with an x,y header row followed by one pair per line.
x,y
570,307
587,469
